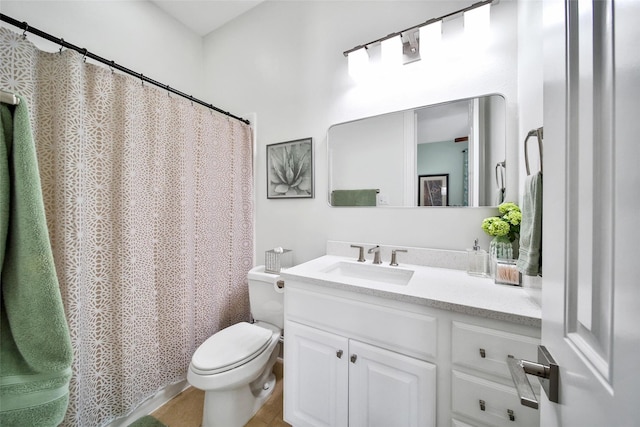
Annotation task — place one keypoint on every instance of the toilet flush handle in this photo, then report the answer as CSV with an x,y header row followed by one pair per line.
x,y
280,284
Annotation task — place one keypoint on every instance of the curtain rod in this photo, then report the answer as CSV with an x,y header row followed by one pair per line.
x,y
27,28
415,27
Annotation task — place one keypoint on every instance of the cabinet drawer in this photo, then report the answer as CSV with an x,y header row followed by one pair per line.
x,y
471,394
487,349
406,332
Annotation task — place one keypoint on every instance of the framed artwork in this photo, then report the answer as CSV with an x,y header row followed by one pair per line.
x,y
290,170
432,190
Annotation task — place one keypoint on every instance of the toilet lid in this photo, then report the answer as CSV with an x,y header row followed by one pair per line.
x,y
231,347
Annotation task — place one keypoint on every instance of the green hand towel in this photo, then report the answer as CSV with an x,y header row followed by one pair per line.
x,y
364,197
530,257
35,346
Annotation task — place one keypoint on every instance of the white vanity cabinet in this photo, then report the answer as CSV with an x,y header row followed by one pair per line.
x,y
335,381
343,368
432,360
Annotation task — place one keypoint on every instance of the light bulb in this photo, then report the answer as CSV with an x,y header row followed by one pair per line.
x,y
358,64
392,53
477,21
430,38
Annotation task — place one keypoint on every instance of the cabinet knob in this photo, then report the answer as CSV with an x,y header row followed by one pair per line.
x,y
483,353
339,354
354,357
482,405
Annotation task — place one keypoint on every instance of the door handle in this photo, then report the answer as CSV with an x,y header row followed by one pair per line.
x,y
547,371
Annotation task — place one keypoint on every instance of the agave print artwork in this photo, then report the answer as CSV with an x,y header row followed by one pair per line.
x,y
290,169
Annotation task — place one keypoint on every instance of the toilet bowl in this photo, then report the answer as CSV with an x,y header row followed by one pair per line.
x,y
234,366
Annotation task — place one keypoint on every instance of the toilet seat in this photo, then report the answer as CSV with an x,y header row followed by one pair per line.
x,y
230,347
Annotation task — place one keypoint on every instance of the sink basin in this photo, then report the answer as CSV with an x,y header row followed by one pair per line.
x,y
371,273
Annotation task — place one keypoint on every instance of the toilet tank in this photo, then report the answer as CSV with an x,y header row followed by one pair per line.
x,y
267,301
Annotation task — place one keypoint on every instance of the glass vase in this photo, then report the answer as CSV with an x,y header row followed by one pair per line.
x,y
501,248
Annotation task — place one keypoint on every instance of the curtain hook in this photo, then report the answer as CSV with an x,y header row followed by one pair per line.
x,y
191,98
61,41
142,79
24,33
84,51
168,91
111,66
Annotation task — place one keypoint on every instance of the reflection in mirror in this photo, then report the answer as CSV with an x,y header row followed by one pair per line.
x,y
450,154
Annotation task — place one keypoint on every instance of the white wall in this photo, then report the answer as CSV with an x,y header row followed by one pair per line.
x,y
283,60
135,34
530,78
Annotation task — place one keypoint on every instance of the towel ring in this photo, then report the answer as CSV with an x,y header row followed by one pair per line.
x,y
538,133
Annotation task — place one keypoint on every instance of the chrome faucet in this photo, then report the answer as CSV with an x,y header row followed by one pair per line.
x,y
376,254
393,262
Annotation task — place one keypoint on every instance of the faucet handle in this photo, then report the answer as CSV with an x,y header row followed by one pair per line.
x,y
393,262
360,253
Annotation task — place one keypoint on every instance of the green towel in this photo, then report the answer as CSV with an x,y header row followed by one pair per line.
x,y
530,257
35,346
354,197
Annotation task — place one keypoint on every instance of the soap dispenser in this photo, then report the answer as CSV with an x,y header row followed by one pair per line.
x,y
478,263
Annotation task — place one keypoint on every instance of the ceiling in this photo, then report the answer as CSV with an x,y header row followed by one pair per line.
x,y
204,16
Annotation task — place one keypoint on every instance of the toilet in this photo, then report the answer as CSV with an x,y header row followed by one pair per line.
x,y
234,366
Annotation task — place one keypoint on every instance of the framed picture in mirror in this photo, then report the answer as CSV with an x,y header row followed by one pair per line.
x,y
290,169
432,190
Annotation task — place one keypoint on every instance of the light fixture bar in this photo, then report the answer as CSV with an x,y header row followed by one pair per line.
x,y
416,27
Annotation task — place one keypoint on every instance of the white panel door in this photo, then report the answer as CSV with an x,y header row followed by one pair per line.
x,y
316,377
591,289
389,389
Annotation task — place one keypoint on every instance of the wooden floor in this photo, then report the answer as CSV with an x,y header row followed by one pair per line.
x,y
185,410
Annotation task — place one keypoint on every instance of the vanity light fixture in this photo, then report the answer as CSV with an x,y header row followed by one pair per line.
x,y
428,32
410,46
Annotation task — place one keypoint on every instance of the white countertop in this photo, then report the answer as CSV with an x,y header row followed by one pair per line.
x,y
441,288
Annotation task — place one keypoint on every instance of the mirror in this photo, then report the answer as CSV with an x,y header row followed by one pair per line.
x,y
449,154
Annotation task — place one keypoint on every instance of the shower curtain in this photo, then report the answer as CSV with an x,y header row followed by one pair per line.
x,y
149,207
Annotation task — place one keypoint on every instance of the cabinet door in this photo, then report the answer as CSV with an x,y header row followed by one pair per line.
x,y
389,389
316,377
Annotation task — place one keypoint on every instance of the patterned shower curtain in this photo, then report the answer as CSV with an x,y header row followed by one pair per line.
x,y
149,207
